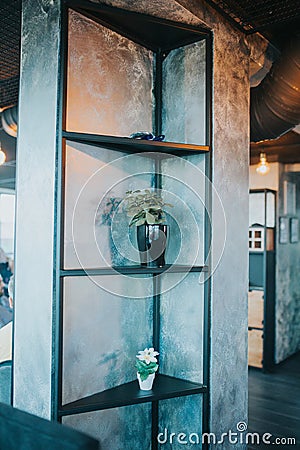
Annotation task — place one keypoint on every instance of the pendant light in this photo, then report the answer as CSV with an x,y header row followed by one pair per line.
x,y
2,156
263,167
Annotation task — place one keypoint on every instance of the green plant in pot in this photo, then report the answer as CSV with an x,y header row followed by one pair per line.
x,y
146,366
146,210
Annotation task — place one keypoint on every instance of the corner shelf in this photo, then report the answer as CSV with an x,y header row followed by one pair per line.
x,y
166,41
126,394
128,145
132,270
154,33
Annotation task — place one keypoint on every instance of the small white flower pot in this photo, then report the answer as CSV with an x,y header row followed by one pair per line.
x,y
146,385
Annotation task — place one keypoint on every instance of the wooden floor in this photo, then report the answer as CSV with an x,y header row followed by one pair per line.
x,y
274,403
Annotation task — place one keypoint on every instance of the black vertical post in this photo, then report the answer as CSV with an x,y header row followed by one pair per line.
x,y
265,281
269,294
207,247
156,345
60,201
156,314
158,93
154,409
156,279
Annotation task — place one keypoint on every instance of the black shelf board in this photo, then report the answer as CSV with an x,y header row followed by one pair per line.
x,y
164,387
262,191
256,288
132,270
154,33
128,145
255,328
256,252
261,252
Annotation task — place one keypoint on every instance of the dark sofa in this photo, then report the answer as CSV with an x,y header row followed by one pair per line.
x,y
23,431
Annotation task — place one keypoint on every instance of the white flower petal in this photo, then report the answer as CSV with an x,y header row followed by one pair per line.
x,y
147,355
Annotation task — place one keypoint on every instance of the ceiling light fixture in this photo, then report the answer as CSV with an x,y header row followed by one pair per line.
x,y
263,167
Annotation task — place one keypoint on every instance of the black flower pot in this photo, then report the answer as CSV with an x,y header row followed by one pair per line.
x,y
152,241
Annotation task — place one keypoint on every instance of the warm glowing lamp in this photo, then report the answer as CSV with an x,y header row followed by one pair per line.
x,y
263,167
2,156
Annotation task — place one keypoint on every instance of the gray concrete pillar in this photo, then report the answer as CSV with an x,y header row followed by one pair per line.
x,y
35,208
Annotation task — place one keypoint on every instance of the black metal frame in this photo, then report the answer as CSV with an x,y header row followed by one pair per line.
x,y
268,288
207,313
57,335
193,34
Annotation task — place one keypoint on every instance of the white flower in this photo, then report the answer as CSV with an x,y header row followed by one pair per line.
x,y
148,355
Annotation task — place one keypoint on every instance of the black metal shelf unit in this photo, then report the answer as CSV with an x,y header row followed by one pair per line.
x,y
160,36
262,276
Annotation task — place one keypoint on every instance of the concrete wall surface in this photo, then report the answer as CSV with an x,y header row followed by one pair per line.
x,y
287,271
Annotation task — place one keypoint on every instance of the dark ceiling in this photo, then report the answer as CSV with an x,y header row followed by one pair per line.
x,y
10,34
277,20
